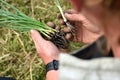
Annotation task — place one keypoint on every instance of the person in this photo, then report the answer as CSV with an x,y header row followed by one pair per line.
x,y
97,20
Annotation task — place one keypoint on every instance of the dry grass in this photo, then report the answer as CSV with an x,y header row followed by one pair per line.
x,y
18,56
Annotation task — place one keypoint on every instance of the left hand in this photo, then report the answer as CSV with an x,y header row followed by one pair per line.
x,y
46,49
85,31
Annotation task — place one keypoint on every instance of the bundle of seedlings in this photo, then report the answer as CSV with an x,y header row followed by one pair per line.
x,y
12,18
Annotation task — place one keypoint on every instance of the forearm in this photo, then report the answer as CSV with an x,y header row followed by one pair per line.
x,y
52,75
52,70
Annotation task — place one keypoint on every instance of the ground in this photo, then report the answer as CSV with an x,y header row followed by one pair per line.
x,y
18,57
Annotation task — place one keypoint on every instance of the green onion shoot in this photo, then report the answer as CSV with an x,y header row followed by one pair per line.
x,y
11,17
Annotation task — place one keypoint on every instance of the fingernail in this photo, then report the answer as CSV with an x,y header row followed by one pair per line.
x,y
31,31
67,14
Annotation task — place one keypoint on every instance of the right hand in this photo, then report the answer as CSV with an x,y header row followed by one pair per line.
x,y
86,31
46,49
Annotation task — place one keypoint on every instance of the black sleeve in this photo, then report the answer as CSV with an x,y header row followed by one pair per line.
x,y
95,50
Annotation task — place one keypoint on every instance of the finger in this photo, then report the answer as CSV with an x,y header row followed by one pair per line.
x,y
37,38
51,24
67,29
71,11
72,17
68,36
58,28
61,21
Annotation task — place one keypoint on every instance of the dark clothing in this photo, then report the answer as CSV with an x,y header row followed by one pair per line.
x,y
95,50
6,78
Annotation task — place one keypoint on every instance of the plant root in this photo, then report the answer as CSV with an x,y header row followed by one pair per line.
x,y
59,40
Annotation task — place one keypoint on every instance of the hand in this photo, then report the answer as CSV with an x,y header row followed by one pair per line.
x,y
46,49
86,31
101,13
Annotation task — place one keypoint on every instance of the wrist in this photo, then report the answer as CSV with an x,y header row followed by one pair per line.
x,y
52,70
49,60
53,65
52,75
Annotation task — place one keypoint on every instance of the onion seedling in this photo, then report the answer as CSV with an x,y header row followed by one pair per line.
x,y
11,17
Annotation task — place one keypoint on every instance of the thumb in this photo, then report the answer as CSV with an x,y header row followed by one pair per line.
x,y
72,17
71,11
37,38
